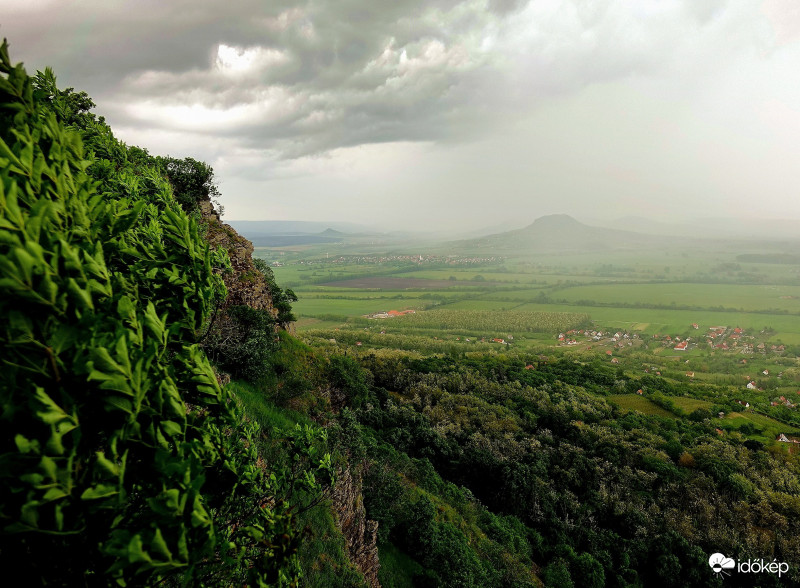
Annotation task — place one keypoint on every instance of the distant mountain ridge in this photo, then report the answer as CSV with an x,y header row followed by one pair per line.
x,y
288,233
277,227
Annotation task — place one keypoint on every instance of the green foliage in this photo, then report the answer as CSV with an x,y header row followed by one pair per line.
x,y
295,449
123,459
397,569
281,299
192,181
242,345
556,574
593,495
345,375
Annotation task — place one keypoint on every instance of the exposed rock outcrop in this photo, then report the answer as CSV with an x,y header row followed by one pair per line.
x,y
246,285
359,532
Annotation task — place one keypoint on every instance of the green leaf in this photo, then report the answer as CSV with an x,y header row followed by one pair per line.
x,y
26,264
154,324
107,465
136,552
50,413
126,310
200,516
171,428
99,491
82,298
54,494
105,363
159,546
13,163
26,445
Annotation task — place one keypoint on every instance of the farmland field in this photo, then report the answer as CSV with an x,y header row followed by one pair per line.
x,y
766,428
653,321
314,307
483,304
744,297
467,303
639,291
398,283
639,403
690,404
509,321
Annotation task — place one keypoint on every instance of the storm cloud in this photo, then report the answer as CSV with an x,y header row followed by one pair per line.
x,y
297,94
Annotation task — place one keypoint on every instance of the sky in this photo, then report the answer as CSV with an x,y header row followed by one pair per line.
x,y
444,114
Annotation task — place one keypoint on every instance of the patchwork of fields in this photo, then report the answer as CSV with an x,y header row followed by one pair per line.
x,y
650,308
521,305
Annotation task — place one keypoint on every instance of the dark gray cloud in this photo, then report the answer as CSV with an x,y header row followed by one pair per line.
x,y
284,91
304,78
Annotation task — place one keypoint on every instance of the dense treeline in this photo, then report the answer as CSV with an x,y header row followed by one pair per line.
x,y
594,497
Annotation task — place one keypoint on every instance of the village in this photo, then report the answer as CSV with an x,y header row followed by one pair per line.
x,y
717,338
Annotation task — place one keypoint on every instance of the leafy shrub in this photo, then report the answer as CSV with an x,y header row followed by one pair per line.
x,y
281,299
123,461
242,344
346,375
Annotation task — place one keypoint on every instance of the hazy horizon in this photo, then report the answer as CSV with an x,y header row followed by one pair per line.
x,y
449,115
710,228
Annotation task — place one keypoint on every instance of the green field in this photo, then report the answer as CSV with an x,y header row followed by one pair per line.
x,y
489,274
652,321
314,307
638,403
481,304
690,404
768,428
744,297
523,298
610,287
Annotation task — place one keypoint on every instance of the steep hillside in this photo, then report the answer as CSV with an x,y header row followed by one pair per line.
x,y
245,283
125,462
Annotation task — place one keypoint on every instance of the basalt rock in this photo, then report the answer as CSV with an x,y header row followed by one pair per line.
x,y
359,532
246,285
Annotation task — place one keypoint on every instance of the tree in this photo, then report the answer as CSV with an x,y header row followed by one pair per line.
x,y
192,181
556,575
281,299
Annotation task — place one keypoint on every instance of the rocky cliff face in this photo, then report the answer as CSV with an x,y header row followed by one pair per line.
x,y
246,285
359,532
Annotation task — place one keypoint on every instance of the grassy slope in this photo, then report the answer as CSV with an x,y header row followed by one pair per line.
x,y
323,558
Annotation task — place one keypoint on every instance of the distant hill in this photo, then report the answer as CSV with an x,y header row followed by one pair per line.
x,y
275,227
561,232
332,233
